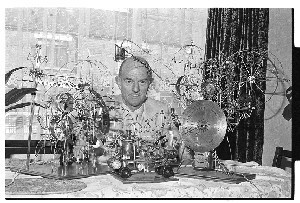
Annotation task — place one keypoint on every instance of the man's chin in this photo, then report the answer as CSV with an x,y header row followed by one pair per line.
x,y
135,105
137,102
134,102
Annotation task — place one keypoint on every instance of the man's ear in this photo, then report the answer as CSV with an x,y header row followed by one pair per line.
x,y
151,84
151,80
118,82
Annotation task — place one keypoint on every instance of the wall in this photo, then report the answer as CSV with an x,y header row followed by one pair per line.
x,y
278,130
23,24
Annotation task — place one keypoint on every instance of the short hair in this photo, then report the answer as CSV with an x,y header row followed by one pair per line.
x,y
140,60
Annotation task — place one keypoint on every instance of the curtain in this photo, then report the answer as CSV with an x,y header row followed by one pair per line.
x,y
229,31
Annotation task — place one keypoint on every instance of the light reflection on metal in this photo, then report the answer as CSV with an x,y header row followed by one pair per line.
x,y
203,126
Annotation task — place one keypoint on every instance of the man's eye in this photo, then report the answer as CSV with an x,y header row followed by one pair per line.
x,y
143,82
128,81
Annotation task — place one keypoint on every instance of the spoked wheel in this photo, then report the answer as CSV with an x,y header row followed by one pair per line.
x,y
168,172
276,86
263,84
258,75
188,88
256,81
189,54
125,172
159,170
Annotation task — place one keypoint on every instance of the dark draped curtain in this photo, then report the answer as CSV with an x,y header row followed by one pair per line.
x,y
229,31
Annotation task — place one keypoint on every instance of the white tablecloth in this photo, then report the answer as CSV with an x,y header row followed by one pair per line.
x,y
270,182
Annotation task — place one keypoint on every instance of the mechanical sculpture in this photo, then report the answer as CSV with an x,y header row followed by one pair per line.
x,y
215,95
203,126
80,121
130,154
74,115
76,119
74,123
238,83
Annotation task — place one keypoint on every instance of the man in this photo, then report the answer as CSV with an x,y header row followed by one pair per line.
x,y
145,117
139,113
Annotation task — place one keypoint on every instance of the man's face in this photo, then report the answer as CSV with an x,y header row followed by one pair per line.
x,y
134,83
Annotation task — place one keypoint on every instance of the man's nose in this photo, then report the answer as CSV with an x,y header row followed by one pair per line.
x,y
136,87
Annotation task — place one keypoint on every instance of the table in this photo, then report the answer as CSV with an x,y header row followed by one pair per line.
x,y
270,182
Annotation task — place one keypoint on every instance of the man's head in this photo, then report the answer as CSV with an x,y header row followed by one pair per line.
x,y
134,79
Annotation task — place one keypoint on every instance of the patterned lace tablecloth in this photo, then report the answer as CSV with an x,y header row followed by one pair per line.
x,y
270,182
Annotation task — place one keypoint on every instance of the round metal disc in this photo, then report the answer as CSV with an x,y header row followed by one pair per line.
x,y
203,126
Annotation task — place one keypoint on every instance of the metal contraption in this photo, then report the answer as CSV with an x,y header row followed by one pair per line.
x,y
130,154
203,126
